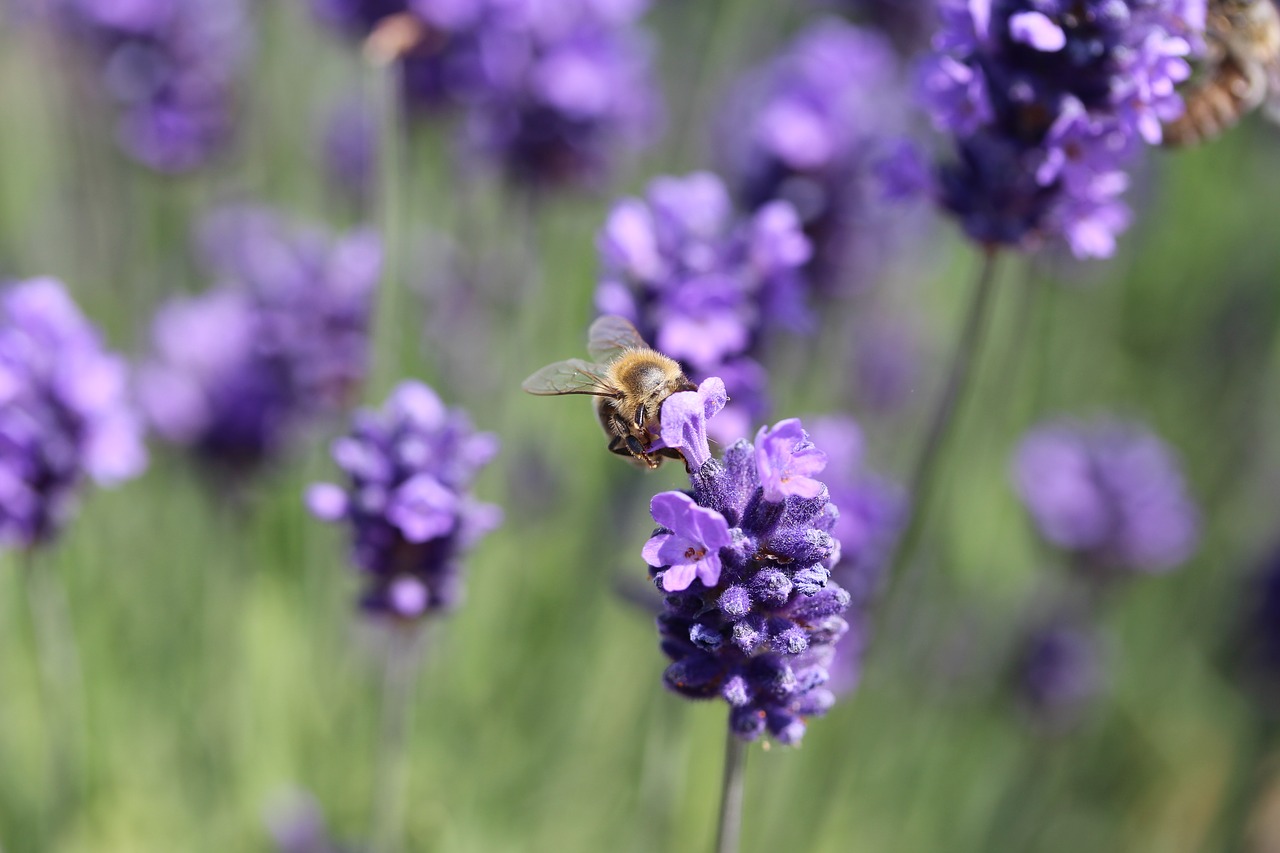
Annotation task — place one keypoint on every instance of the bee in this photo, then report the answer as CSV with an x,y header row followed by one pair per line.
x,y
1241,70
630,381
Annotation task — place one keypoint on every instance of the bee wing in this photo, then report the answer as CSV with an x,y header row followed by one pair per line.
x,y
610,335
574,376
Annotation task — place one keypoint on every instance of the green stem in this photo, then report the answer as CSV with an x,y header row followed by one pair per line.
x,y
730,826
924,473
57,661
386,86
392,776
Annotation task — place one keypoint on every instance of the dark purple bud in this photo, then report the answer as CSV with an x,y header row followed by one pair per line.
x,y
750,633
830,601
787,637
704,637
736,691
696,676
771,587
735,602
747,723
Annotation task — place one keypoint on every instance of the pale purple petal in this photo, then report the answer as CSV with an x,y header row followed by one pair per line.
x,y
326,501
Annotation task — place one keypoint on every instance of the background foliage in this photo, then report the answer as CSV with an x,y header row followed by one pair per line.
x,y
222,663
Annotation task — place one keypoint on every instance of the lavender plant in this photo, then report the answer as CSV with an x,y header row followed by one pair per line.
x,y
169,66
817,119
238,371
412,518
703,285
745,560
410,467
1109,493
65,415
1048,103
548,92
1112,496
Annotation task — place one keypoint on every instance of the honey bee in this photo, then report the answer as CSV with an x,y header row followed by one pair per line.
x,y
1241,70
630,381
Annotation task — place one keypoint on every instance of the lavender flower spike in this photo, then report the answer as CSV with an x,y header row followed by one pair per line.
x,y
410,467
751,614
1049,102
1110,492
64,413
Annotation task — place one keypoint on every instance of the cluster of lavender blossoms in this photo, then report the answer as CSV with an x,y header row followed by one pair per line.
x,y
1111,493
548,90
64,413
702,284
281,341
745,557
408,501
809,128
1048,102
171,68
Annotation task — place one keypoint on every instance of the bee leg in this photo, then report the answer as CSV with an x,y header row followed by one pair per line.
x,y
641,415
618,446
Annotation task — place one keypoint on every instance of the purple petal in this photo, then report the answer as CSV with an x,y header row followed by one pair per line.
x,y
326,501
708,569
1036,30
670,509
653,549
678,578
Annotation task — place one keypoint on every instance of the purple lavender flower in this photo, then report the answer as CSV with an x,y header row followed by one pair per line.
x,y
408,501
701,284
572,88
549,91
170,66
1110,492
1059,672
808,128
751,614
282,341
1049,101
64,413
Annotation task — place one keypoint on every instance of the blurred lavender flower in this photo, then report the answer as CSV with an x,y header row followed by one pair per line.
x,y
64,413
809,128
751,614
573,87
549,91
871,514
1049,102
701,284
410,468
170,66
1111,492
1059,672
283,340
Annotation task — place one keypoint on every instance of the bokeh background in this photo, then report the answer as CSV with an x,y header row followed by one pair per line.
x,y
226,676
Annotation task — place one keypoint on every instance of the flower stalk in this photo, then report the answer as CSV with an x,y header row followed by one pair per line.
x,y
392,780
924,473
735,761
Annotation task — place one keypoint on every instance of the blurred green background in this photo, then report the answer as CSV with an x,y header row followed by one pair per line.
x,y
222,661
